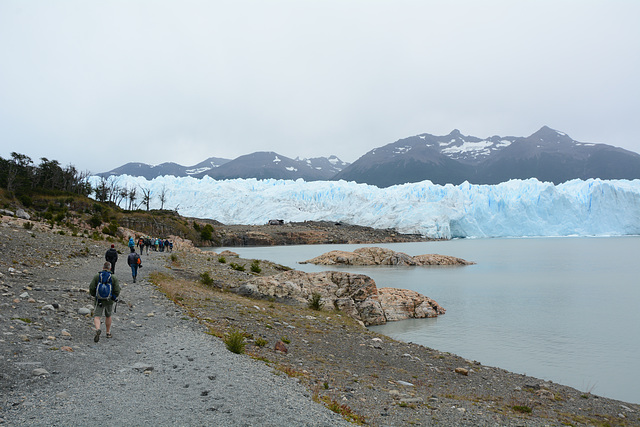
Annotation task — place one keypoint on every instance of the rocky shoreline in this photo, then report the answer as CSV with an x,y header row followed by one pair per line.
x,y
322,356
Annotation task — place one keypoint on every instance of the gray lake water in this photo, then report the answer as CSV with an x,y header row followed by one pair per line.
x,y
560,309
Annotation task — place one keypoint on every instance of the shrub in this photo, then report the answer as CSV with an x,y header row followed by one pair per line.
x,y
234,341
316,303
255,266
222,259
28,225
236,267
206,279
110,229
260,342
174,258
95,221
26,201
207,232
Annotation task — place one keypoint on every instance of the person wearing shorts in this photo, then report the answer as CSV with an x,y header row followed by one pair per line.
x,y
104,307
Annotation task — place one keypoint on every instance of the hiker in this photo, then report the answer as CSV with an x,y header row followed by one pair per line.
x,y
140,244
147,243
132,244
134,262
111,256
106,289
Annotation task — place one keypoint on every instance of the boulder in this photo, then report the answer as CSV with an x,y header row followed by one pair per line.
x,y
383,256
401,304
20,213
356,295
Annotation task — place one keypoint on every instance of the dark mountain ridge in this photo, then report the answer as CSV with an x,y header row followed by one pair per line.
x,y
547,155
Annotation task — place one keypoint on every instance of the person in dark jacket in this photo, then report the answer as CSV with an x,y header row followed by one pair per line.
x,y
134,262
112,256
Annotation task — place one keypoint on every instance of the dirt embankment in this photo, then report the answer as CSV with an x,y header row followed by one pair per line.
x,y
306,233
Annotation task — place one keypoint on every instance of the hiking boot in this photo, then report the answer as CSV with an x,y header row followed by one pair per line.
x,y
134,279
97,337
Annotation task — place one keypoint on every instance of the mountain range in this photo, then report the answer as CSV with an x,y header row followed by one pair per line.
x,y
547,155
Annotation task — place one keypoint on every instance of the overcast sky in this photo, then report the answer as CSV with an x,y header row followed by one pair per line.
x,y
98,84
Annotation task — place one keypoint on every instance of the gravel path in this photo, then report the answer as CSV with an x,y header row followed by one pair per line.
x,y
160,368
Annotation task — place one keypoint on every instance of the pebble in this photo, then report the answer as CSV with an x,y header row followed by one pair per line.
x,y
39,371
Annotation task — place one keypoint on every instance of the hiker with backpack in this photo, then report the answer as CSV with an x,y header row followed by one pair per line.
x,y
111,256
134,262
140,244
105,288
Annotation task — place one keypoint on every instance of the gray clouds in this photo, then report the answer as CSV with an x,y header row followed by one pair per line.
x,y
99,84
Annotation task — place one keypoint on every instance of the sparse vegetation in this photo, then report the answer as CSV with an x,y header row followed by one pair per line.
x,y
236,266
316,303
255,266
234,340
522,409
206,279
345,411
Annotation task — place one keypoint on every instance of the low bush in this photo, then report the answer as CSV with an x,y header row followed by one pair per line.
x,y
255,266
206,279
234,341
316,303
236,267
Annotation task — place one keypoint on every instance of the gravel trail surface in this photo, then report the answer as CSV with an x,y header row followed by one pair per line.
x,y
160,368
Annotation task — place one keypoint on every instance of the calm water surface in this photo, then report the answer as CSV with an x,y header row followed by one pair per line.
x,y
560,309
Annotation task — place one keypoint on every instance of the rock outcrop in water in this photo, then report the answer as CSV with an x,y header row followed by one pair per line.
x,y
383,256
355,295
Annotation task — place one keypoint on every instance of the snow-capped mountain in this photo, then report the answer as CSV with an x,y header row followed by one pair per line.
x,y
262,165
267,164
547,155
169,168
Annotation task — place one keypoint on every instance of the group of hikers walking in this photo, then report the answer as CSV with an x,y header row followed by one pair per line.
x,y
156,244
105,287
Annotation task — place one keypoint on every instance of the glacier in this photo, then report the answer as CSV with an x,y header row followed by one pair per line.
x,y
517,208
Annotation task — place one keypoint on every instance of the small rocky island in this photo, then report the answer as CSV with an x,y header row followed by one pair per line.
x,y
383,256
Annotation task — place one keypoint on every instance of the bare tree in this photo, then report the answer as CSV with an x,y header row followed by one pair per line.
x,y
114,189
146,197
163,196
132,197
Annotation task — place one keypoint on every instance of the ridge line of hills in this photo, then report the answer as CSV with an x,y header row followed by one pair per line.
x,y
548,155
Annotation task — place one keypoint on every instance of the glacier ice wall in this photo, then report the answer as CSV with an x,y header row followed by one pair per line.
x,y
512,209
